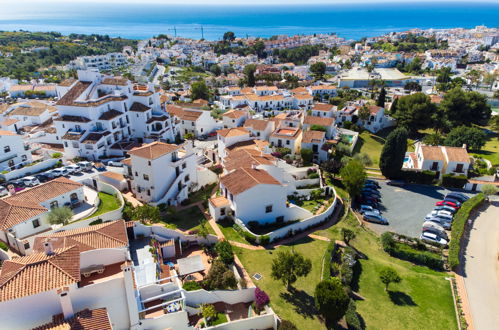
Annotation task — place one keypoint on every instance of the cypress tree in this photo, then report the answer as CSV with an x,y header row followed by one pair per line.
x,y
381,98
393,153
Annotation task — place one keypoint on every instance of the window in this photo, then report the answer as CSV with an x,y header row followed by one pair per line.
x,y
287,142
279,219
54,204
192,124
24,158
148,192
222,211
11,163
75,144
268,209
231,197
65,144
36,223
146,177
6,149
149,163
136,174
184,165
186,178
257,133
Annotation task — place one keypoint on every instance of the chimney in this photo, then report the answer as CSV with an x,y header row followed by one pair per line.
x,y
66,305
465,146
47,246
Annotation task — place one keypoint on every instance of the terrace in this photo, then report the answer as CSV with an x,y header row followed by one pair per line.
x,y
110,272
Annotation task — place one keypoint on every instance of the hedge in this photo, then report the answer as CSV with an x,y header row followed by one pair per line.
x,y
422,177
352,318
454,181
408,253
457,229
4,246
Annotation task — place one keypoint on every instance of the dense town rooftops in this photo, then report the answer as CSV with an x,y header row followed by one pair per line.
x,y
153,150
243,179
183,114
321,121
84,320
288,133
232,132
33,108
457,154
39,272
257,124
313,136
234,114
139,107
323,107
247,158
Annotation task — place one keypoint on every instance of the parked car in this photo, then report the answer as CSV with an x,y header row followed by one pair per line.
x,y
442,212
30,181
437,232
85,166
370,203
441,222
445,208
373,182
376,218
115,163
370,198
60,171
371,186
42,177
73,169
368,208
453,200
371,191
431,224
212,134
100,167
3,191
431,237
456,195
447,203
398,183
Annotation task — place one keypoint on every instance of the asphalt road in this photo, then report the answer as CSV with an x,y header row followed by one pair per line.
x,y
482,269
405,207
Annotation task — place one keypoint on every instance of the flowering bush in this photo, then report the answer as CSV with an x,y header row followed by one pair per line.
x,y
261,298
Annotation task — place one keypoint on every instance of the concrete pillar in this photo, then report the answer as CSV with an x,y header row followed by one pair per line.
x,y
133,309
66,304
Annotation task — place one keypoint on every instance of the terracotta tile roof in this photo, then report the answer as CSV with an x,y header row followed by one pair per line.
x,y
153,150
26,204
432,153
243,179
313,136
266,88
246,158
102,236
127,161
257,124
95,137
76,119
374,109
321,87
250,144
323,107
108,115
219,201
120,81
288,133
321,121
457,154
84,320
30,109
113,175
139,107
74,93
231,132
180,113
235,114
67,82
8,122
303,97
17,88
299,90
25,276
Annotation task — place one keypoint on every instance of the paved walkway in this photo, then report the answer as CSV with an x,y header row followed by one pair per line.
x,y
132,200
481,273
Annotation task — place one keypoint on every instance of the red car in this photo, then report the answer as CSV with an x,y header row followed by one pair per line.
x,y
442,203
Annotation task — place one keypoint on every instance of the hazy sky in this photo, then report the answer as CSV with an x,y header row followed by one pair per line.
x,y
239,2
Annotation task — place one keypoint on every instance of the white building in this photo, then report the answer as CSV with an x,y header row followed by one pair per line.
x,y
315,141
26,213
287,137
161,173
31,113
327,123
101,62
229,136
194,121
13,151
234,118
101,116
260,128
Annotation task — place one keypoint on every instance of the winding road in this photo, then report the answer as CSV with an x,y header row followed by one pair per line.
x,y
482,269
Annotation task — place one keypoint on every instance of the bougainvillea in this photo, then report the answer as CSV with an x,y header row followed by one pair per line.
x,y
261,298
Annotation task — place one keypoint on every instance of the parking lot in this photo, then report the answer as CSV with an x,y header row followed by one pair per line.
x,y
405,207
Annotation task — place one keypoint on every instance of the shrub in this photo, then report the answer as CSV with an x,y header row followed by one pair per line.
x,y
422,177
191,286
408,253
264,240
352,317
387,241
217,169
4,246
454,181
331,299
95,222
249,237
220,277
224,251
261,298
56,155
314,175
457,229
286,325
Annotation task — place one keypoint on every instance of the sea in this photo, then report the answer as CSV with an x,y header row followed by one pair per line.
x,y
140,21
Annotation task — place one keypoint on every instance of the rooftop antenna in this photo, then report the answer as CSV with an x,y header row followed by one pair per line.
x,y
202,31
175,30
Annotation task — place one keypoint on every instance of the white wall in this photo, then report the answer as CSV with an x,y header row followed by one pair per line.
x,y
102,257
198,297
27,170
178,320
267,321
161,234
205,177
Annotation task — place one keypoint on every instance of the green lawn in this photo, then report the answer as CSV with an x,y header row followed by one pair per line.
x,y
226,226
491,150
423,300
298,307
108,203
186,220
202,194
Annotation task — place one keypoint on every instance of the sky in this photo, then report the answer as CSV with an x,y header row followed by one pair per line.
x,y
239,2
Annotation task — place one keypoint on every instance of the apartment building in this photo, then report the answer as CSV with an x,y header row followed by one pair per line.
x,y
192,121
101,116
161,173
101,62
13,151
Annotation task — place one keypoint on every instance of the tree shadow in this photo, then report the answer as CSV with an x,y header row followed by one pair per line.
x,y
357,270
303,302
400,298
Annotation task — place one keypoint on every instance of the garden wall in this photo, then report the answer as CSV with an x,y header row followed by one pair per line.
x,y
198,297
27,170
266,321
162,233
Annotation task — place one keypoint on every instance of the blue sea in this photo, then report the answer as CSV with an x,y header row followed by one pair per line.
x,y
351,21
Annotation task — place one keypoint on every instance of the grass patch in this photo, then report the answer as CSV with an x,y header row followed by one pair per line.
x,y
227,228
310,205
490,150
186,220
107,203
221,318
202,194
296,306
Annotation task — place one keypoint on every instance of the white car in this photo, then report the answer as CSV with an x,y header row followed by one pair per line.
x,y
30,181
60,171
73,169
442,212
431,237
3,191
85,166
434,225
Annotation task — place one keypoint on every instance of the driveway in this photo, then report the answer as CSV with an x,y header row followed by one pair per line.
x,y
405,207
481,276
